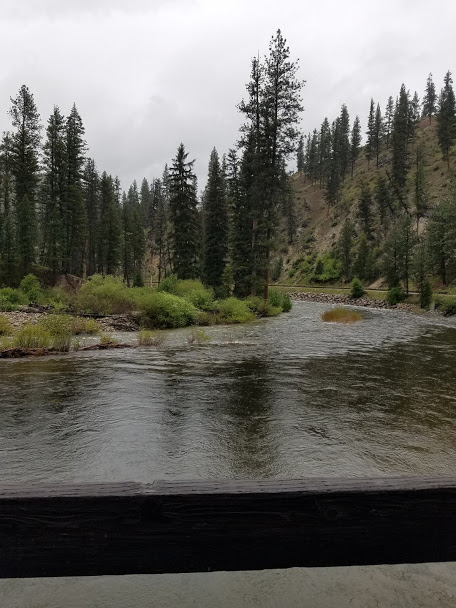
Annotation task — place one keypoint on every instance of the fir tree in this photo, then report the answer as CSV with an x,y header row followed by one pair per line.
x,y
365,210
109,241
8,250
355,143
421,191
216,223
389,115
91,190
145,200
24,155
370,144
400,145
430,99
383,200
446,116
345,247
300,154
377,134
184,216
343,147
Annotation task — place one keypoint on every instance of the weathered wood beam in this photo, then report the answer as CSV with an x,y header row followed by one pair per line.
x,y
129,528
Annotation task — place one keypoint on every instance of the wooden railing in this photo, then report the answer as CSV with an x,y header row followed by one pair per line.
x,y
129,528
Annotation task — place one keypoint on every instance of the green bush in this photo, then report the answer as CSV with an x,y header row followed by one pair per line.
x,y
447,306
326,269
10,299
395,295
233,310
31,287
32,336
275,298
287,303
356,289
163,310
104,296
426,295
57,324
150,338
191,290
5,326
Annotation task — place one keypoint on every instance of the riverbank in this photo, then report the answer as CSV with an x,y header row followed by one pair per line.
x,y
328,298
33,315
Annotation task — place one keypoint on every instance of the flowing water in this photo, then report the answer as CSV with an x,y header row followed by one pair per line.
x,y
279,398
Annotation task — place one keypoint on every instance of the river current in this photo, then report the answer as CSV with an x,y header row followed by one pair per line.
x,y
287,397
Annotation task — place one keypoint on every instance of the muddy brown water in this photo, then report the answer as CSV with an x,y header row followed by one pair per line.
x,y
278,398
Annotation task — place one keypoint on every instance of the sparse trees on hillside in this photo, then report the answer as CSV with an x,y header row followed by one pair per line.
x,y
446,116
430,99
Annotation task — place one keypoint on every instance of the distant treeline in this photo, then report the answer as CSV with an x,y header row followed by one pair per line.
x,y
58,211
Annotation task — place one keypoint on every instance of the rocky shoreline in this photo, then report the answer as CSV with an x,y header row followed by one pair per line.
x,y
328,298
30,314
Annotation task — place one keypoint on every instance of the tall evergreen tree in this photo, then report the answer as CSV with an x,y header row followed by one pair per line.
x,y
365,210
184,216
400,145
378,133
389,115
216,223
343,144
355,144
24,155
145,200
421,190
345,248
446,116
430,99
370,143
300,154
53,191
109,240
91,189
8,249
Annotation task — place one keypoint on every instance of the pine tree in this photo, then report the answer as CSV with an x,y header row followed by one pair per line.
x,y
300,154
400,146
378,133
24,155
421,191
389,115
441,240
370,144
133,236
145,200
325,152
91,189
345,248
430,99
109,241
365,210
383,200
216,224
8,249
446,116
184,216
53,191
343,144
75,219
355,143
160,226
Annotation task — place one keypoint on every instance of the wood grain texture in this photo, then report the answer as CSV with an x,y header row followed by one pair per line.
x,y
130,528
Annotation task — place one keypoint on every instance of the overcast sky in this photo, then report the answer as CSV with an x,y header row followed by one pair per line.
x,y
148,74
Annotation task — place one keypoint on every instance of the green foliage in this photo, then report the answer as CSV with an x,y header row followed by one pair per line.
x,y
57,324
233,310
426,295
32,336
276,269
107,339
446,305
31,287
327,269
395,295
356,289
5,326
162,310
191,290
104,295
275,298
287,303
10,299
226,290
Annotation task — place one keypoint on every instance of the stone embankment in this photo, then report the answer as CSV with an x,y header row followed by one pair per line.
x,y
29,314
328,298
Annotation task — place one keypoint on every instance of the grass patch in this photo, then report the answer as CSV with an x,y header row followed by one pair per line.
x,y
5,326
341,315
150,338
32,336
107,339
233,310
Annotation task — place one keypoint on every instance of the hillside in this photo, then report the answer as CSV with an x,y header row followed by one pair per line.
x,y
318,226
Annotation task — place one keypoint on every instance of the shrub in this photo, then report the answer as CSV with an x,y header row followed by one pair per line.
x,y
341,315
32,336
326,269
233,310
287,303
104,296
426,295
275,298
447,306
79,325
191,290
395,295
5,326
61,341
31,287
10,299
356,289
198,336
107,339
163,310
266,309
150,338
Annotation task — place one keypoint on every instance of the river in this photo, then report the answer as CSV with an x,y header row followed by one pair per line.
x,y
279,398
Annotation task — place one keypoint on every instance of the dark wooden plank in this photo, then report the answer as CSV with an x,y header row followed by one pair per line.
x,y
71,530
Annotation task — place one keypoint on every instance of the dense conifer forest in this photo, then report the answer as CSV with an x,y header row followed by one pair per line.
x,y
389,205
